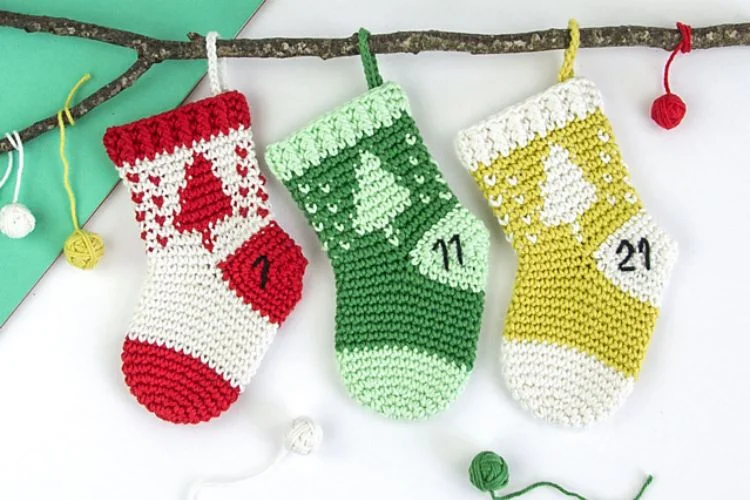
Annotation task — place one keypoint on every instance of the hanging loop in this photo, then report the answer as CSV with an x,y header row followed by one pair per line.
x,y
567,69
372,74
215,80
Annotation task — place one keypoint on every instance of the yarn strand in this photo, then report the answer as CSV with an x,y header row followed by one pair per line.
x,y
8,169
223,481
16,142
567,69
538,485
685,46
562,490
82,248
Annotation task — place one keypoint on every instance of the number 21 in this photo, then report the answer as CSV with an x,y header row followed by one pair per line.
x,y
644,248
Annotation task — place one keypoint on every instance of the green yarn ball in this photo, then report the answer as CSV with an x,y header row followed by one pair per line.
x,y
488,471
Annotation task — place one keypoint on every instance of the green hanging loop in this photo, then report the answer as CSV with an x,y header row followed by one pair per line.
x,y
372,74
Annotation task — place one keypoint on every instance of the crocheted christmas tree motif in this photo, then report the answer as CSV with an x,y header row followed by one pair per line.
x,y
410,262
567,194
202,201
592,263
210,307
379,198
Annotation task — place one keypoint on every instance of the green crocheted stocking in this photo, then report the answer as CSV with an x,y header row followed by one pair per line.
x,y
410,262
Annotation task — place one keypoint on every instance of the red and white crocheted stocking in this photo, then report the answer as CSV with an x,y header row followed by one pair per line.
x,y
222,275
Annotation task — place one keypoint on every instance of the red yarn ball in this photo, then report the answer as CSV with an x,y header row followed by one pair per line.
x,y
668,110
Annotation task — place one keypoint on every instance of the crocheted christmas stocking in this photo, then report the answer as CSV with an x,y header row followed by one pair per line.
x,y
222,275
592,263
410,262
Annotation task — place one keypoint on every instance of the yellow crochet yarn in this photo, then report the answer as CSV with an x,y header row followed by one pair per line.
x,y
592,264
82,249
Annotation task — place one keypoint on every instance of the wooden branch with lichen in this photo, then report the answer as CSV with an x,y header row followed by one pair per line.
x,y
151,51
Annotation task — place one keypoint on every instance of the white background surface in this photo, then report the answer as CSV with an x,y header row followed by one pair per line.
x,y
70,430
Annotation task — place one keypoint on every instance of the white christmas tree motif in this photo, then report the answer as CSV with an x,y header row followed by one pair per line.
x,y
379,198
567,194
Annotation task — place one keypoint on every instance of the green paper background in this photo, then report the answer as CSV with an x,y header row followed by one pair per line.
x,y
38,72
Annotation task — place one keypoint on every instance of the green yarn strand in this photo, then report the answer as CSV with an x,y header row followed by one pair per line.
x,y
539,485
646,484
372,73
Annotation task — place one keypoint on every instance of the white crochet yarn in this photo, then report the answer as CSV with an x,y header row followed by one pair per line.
x,y
518,125
646,285
16,221
215,79
304,436
560,384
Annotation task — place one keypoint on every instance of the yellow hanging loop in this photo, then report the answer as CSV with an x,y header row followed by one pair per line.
x,y
82,249
567,70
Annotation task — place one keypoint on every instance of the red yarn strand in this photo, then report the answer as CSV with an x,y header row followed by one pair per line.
x,y
668,110
684,46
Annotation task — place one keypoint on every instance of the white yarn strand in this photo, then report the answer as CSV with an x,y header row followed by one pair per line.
x,y
16,142
214,72
303,437
8,169
223,481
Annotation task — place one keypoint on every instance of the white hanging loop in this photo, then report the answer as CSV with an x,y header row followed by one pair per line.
x,y
16,221
302,437
215,79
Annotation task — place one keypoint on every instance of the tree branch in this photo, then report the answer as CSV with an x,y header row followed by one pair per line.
x,y
125,80
152,51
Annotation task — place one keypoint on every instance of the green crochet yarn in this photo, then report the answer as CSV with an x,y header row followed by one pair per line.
x,y
410,262
489,473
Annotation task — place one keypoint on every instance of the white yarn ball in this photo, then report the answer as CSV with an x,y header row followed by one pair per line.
x,y
16,221
304,436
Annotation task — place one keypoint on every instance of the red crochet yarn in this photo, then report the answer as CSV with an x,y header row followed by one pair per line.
x,y
669,109
222,275
176,388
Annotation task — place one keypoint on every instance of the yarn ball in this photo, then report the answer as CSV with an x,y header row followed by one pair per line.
x,y
16,221
489,472
668,110
304,436
83,249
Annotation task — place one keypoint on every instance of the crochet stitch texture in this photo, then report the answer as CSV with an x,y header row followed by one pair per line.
x,y
222,275
410,262
592,263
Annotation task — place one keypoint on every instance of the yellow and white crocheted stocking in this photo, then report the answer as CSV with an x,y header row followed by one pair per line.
x,y
592,264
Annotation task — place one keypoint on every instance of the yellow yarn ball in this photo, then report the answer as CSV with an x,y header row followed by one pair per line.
x,y
83,249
